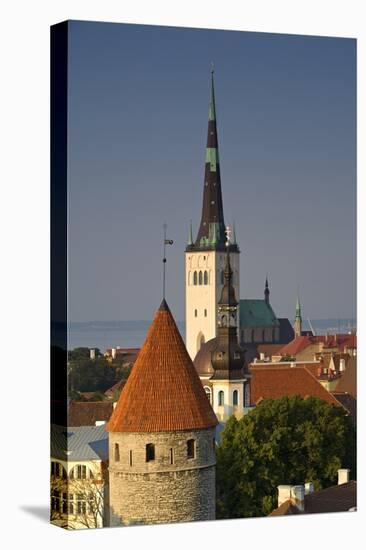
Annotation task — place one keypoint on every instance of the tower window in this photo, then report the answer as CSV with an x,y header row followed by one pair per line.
x,y
150,452
130,458
205,278
116,452
221,398
235,398
208,392
195,313
205,312
195,278
200,278
190,448
171,456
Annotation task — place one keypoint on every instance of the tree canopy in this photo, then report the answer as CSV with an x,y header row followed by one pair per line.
x,y
285,441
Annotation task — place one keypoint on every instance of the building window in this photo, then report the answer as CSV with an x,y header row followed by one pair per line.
x,y
221,398
116,452
200,278
150,452
205,278
81,472
195,278
190,448
55,501
205,312
171,455
64,503
208,392
71,503
195,313
235,398
58,470
130,457
81,504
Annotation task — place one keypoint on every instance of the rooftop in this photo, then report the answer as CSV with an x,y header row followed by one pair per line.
x,y
79,443
163,391
257,313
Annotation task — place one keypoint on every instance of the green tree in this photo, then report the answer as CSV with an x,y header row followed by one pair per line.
x,y
283,441
91,374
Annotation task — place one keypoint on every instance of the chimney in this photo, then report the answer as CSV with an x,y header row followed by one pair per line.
x,y
114,353
284,493
298,497
343,476
92,354
342,365
114,404
262,356
309,488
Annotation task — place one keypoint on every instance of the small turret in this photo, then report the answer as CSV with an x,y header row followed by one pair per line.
x,y
266,292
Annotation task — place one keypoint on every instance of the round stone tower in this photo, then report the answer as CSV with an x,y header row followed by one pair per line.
x,y
162,436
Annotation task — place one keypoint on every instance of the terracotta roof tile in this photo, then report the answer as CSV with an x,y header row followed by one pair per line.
x,y
275,382
84,413
163,391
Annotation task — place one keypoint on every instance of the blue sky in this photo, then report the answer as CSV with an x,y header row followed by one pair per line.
x,y
138,106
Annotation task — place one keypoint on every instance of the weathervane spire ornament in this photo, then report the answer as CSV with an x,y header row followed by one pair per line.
x,y
166,241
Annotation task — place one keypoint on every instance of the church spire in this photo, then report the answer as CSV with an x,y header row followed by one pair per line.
x,y
212,221
298,318
266,291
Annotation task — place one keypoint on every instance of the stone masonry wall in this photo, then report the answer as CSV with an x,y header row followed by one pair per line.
x,y
158,491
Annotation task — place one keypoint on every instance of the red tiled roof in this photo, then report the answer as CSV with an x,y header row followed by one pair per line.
x,y
163,391
348,381
84,413
274,382
298,344
116,387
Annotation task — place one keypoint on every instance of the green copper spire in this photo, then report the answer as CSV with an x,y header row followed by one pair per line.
x,y
298,309
212,108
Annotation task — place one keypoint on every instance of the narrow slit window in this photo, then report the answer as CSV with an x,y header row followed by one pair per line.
x,y
116,452
150,452
130,458
190,448
171,456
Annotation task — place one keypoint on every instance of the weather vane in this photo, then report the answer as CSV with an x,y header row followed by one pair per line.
x,y
166,241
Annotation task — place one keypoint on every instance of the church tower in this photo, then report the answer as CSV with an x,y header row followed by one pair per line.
x,y
298,319
230,380
162,436
206,256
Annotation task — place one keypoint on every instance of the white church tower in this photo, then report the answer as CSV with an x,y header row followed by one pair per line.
x,y
206,256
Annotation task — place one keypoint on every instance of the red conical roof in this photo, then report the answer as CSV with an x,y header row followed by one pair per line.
x,y
163,391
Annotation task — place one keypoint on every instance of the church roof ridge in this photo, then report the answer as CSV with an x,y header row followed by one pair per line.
x,y
163,391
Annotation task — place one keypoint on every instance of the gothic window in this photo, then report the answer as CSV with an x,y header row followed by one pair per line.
x,y
200,278
190,448
221,398
116,452
58,470
195,278
235,398
205,278
150,452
